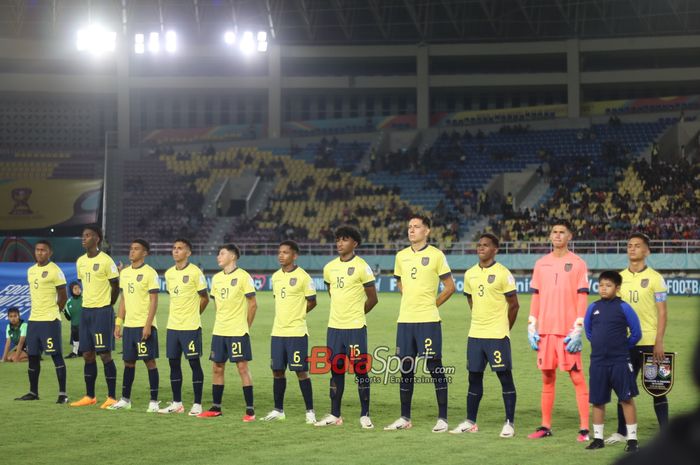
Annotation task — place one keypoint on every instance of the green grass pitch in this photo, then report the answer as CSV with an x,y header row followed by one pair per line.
x,y
43,432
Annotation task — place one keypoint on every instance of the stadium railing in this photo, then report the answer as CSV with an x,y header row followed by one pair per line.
x,y
463,248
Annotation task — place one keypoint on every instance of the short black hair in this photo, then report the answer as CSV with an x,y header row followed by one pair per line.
x,y
349,232
610,275
96,229
143,244
423,218
490,236
184,241
45,242
13,310
291,244
71,286
232,248
562,222
642,236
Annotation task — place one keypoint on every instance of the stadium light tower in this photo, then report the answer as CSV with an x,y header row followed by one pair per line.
x,y
247,43
170,42
96,40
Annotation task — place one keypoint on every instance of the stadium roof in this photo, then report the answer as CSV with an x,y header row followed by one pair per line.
x,y
325,22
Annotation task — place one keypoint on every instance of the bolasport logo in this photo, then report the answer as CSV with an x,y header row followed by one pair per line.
x,y
380,367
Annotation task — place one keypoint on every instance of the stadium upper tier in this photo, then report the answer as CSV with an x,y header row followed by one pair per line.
x,y
49,165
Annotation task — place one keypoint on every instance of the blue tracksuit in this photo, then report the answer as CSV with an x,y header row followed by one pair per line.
x,y
607,323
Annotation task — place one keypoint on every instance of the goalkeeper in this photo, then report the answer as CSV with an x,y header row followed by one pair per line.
x,y
560,297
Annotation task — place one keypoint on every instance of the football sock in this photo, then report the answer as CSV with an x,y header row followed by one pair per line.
x,y
661,409
621,426
153,381
549,378
248,396
33,371
474,394
128,381
406,388
279,385
337,389
598,431
440,382
217,393
90,373
509,395
632,432
197,379
176,379
363,390
307,393
111,378
60,372
581,396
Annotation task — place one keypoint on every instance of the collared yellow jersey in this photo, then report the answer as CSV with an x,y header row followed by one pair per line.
x,y
95,274
488,288
291,291
642,290
346,282
43,282
231,292
137,284
184,287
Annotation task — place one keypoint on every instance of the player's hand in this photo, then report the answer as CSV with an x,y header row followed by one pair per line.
x,y
573,340
533,336
659,352
117,332
146,333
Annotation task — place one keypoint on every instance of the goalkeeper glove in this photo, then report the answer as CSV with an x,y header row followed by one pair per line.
x,y
573,340
532,335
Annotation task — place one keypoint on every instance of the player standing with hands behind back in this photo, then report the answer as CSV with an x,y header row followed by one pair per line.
x,y
559,302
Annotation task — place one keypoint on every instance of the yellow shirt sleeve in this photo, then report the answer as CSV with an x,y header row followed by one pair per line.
x,y
326,275
60,279
153,284
467,285
397,267
367,275
248,285
309,287
507,282
443,266
112,271
199,278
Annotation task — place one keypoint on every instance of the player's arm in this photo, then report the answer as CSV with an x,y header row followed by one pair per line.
x,y
372,299
6,351
470,301
252,308
513,307
310,294
152,309
397,274
114,283
62,296
203,300
121,314
587,322
328,287
662,315
634,326
449,288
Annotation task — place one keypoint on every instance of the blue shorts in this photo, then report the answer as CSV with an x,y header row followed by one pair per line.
x,y
135,349
289,351
96,333
44,336
184,342
419,340
233,348
494,351
603,379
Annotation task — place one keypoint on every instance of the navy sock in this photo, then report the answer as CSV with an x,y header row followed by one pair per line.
x,y
621,423
474,394
128,381
406,388
33,371
279,385
661,409
337,389
90,373
509,396
60,372
154,381
248,396
363,391
440,382
197,380
307,393
111,378
176,379
217,393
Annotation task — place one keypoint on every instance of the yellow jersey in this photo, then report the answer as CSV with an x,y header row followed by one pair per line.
x,y
420,272
231,293
95,275
137,284
642,290
346,282
43,282
184,287
291,291
488,288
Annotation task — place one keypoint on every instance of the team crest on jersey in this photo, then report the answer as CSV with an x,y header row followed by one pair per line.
x,y
424,261
139,278
491,278
568,267
186,279
644,283
44,274
351,271
234,281
292,281
95,267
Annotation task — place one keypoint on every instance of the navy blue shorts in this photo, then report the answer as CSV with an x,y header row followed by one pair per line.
x,y
349,342
96,333
233,348
419,340
494,351
44,336
184,342
606,378
289,351
135,349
